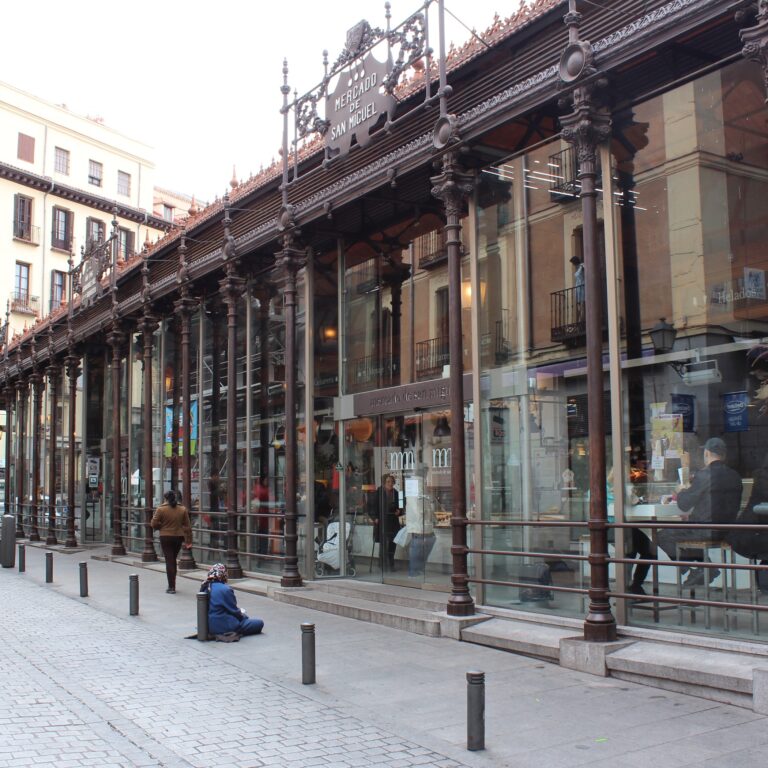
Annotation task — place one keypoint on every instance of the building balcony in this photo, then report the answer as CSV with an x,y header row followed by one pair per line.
x,y
564,185
431,356
430,250
26,232
372,369
24,303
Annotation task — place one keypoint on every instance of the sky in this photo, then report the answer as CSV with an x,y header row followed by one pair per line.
x,y
199,82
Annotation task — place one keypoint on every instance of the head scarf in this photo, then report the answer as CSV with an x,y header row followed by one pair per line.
x,y
218,572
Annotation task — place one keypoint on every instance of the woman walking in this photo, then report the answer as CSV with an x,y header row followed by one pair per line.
x,y
172,519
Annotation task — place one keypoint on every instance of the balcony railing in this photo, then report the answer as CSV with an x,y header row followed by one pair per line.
x,y
430,249
431,356
369,370
23,302
568,316
495,348
564,170
23,230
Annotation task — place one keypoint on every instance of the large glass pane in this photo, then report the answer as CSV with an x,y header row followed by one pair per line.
x,y
533,407
690,189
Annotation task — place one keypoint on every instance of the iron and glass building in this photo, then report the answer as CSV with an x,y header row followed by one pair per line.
x,y
526,278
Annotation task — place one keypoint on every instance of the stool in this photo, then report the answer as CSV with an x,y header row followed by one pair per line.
x,y
704,545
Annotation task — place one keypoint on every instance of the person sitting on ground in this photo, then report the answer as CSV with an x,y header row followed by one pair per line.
x,y
714,496
754,544
224,616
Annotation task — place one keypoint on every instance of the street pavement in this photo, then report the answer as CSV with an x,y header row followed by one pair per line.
x,y
83,683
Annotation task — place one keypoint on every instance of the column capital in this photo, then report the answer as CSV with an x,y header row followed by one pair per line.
x,y
586,128
453,185
232,285
755,41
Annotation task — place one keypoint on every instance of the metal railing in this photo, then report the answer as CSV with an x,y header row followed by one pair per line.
x,y
23,302
431,356
26,231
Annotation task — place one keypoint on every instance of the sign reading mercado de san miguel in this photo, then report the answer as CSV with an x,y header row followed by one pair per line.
x,y
360,99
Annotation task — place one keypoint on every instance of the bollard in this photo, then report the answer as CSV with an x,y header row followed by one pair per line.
x,y
307,654
8,542
83,579
48,567
475,711
203,599
133,594
22,558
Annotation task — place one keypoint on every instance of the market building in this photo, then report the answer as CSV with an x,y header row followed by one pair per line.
x,y
525,279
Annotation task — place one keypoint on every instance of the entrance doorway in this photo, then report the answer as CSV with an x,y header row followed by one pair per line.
x,y
398,500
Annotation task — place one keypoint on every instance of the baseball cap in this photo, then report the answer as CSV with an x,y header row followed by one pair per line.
x,y
715,445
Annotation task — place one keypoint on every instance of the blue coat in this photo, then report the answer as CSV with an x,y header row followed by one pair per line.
x,y
224,615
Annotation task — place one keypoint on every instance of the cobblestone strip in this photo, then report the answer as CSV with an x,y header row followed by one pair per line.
x,y
91,689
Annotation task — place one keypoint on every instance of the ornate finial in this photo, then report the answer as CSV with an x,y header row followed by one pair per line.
x,y
388,13
193,208
147,242
233,181
285,89
325,62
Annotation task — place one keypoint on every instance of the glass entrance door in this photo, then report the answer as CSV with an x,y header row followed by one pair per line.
x,y
398,480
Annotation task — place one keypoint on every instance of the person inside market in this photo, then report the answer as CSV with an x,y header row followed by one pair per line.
x,y
172,520
224,616
385,511
713,496
754,544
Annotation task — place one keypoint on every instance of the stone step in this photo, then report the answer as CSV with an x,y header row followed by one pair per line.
x,y
539,640
390,594
409,619
711,674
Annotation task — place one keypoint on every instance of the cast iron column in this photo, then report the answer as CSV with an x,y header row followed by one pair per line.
x,y
290,260
22,390
53,372
184,307
232,287
586,128
37,413
72,363
115,339
755,40
10,395
148,326
453,186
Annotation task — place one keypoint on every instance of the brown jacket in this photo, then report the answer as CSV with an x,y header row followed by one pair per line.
x,y
173,521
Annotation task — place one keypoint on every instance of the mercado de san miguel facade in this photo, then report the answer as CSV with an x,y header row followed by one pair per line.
x,y
526,279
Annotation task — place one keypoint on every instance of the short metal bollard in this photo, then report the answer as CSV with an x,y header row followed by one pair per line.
x,y
83,579
307,653
22,558
49,567
133,594
8,542
203,600
475,711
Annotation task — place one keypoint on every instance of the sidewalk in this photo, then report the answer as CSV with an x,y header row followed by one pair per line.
x,y
85,684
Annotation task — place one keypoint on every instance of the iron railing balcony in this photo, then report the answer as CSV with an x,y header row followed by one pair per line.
x,y
21,301
431,356
26,231
370,369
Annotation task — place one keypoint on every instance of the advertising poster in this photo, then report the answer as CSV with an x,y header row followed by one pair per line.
x,y
685,405
666,438
169,431
735,412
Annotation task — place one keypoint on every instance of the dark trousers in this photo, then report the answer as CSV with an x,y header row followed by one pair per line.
x,y
171,546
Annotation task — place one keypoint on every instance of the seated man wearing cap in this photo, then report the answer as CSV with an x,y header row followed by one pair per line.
x,y
713,497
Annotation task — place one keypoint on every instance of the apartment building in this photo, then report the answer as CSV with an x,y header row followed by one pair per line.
x,y
67,183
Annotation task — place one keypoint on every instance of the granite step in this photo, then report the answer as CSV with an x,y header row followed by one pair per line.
x,y
539,640
721,676
391,594
402,617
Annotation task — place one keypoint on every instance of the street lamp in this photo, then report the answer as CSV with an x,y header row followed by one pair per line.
x,y
663,336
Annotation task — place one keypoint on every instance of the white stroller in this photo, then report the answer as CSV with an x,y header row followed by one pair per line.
x,y
328,555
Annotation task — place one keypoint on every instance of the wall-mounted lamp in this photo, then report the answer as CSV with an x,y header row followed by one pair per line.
x,y
694,372
442,428
663,336
329,333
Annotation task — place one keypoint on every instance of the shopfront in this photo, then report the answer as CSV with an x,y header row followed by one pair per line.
x,y
377,308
